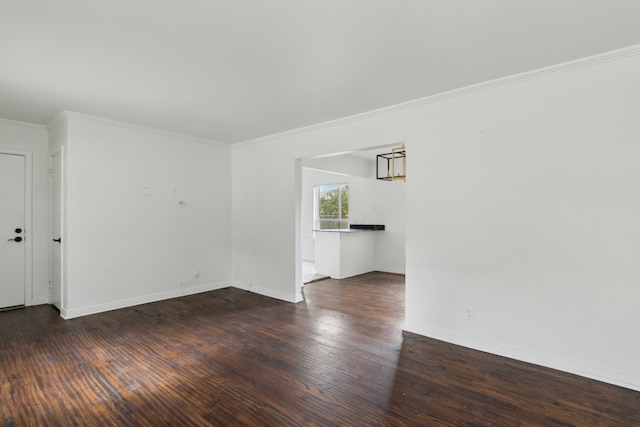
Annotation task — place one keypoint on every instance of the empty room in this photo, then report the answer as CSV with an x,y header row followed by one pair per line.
x,y
291,213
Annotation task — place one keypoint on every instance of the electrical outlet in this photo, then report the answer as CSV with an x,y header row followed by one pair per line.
x,y
468,313
181,284
196,272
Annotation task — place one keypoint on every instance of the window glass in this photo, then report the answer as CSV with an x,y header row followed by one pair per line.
x,y
332,207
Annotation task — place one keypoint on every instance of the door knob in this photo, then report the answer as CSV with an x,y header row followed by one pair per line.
x,y
59,240
17,239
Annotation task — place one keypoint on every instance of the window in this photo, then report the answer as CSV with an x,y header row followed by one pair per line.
x,y
332,207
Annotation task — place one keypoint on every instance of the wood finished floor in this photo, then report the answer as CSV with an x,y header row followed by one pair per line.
x,y
232,358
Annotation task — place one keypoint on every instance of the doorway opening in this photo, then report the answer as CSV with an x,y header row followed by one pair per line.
x,y
370,201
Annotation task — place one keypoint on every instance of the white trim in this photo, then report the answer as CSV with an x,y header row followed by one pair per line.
x,y
28,220
390,269
62,116
271,293
59,152
134,126
145,299
454,93
27,125
28,292
622,379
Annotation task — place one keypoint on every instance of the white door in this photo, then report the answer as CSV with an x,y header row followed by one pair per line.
x,y
56,230
12,231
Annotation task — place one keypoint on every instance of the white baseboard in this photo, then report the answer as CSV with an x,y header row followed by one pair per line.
x,y
271,293
130,302
622,379
390,269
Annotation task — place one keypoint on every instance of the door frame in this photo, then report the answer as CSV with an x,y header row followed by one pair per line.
x,y
59,152
28,220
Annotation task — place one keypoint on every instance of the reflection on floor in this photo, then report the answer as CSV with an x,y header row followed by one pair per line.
x,y
309,273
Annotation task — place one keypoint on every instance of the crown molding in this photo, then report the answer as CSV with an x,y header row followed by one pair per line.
x,y
21,124
133,126
61,117
585,62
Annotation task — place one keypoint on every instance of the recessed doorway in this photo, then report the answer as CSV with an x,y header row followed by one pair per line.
x,y
371,201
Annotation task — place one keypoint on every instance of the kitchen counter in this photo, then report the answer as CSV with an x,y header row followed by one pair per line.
x,y
340,230
342,253
354,228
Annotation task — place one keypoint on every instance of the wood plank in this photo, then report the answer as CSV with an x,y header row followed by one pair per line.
x,y
229,357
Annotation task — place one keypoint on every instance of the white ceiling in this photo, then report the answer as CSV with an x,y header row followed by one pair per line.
x,y
234,70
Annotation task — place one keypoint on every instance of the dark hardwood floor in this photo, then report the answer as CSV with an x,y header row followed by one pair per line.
x,y
232,358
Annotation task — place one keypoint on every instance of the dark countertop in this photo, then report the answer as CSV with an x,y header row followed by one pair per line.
x,y
355,228
369,227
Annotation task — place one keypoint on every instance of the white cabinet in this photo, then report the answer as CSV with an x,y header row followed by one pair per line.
x,y
344,253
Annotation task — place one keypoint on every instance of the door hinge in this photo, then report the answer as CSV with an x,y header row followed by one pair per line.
x,y
50,173
50,284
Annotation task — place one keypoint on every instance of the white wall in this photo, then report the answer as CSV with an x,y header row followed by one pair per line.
x,y
371,201
267,194
522,202
264,219
525,206
33,139
58,133
384,202
144,209
346,164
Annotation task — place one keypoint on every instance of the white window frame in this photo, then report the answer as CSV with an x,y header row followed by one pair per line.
x,y
342,222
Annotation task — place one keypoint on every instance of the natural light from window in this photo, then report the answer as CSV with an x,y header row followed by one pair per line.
x,y
332,207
